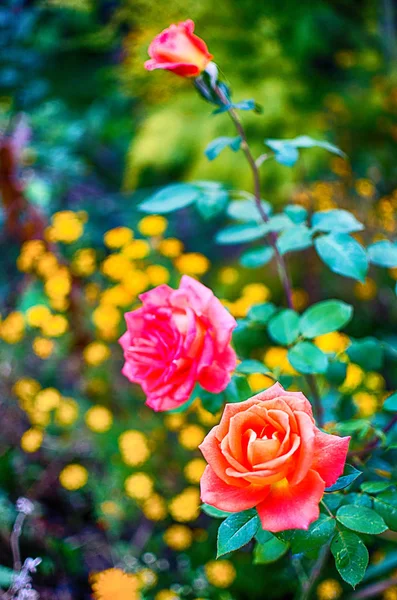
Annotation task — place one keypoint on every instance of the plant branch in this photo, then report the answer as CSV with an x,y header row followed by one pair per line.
x,y
317,405
307,586
14,540
374,590
371,445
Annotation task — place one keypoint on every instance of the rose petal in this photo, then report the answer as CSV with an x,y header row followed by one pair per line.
x,y
217,493
330,453
292,507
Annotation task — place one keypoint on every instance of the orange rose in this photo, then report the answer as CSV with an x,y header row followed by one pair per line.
x,y
267,452
177,49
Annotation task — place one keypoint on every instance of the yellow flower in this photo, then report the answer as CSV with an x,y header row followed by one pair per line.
x,y
365,188
332,342
66,227
178,537
139,486
366,290
136,282
116,266
55,326
106,317
84,262
194,470
220,573
192,263
259,381
58,284
256,292
154,508
354,377
137,249
152,225
47,265
276,358
31,440
185,506
134,447
26,388
240,307
115,584
73,477
390,593
191,436
205,417
30,252
171,247
118,237
47,399
37,315
117,295
67,412
329,589
300,299
147,578
157,274
173,422
374,381
111,509
91,292
42,347
99,419
12,328
96,353
366,403
166,595
228,275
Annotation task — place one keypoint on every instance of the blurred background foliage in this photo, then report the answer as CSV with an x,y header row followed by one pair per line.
x,y
93,133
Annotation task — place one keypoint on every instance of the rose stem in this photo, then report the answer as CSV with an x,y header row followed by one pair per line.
x,y
308,585
272,237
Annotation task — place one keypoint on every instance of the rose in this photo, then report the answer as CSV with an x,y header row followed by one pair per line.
x,y
176,339
267,452
177,49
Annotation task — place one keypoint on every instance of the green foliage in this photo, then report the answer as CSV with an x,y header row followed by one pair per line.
x,y
350,474
215,147
211,511
390,403
311,541
257,257
306,358
283,328
286,151
236,531
343,255
351,556
383,253
269,551
324,317
293,239
335,221
385,505
170,198
361,519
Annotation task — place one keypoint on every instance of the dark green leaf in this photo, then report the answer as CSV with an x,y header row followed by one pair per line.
x,y
284,327
269,552
375,487
343,255
316,536
390,404
368,353
383,254
211,402
361,519
173,197
386,505
351,556
238,389
324,317
350,474
236,531
211,511
306,358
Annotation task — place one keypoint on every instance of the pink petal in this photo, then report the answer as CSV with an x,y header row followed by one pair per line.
x,y
292,507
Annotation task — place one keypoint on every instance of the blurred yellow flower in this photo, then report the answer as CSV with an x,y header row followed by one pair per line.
x,y
178,537
136,282
354,377
42,347
259,381
47,399
192,263
139,486
300,299
185,506
256,292
116,266
118,295
157,274
111,509
329,589
276,358
366,403
152,225
220,573
73,477
154,508
66,227
37,315
106,316
118,237
365,188
374,381
170,247
147,578
332,342
31,440
191,436
99,419
115,584
134,447
228,275
173,422
137,249
26,388
194,470
366,290
84,262
166,595
58,284
47,265
55,326
12,328
67,412
96,353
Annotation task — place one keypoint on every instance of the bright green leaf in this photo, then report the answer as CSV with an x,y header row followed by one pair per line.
x,y
241,234
383,254
361,519
306,358
269,552
257,257
375,487
324,317
215,147
297,237
390,404
343,255
261,313
297,213
236,531
170,198
211,511
336,221
251,365
284,327
247,210
386,505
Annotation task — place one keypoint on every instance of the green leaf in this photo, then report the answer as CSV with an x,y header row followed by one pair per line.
x,y
350,474
351,556
270,551
6,577
390,404
238,389
336,372
247,210
297,237
241,234
306,358
211,402
212,201
316,536
295,212
286,151
215,147
383,254
170,198
324,317
236,531
361,519
251,365
211,511
368,353
375,487
257,257
343,255
386,505
261,313
284,327
336,221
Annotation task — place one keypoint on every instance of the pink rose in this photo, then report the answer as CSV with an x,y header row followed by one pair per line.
x,y
268,453
177,49
176,339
